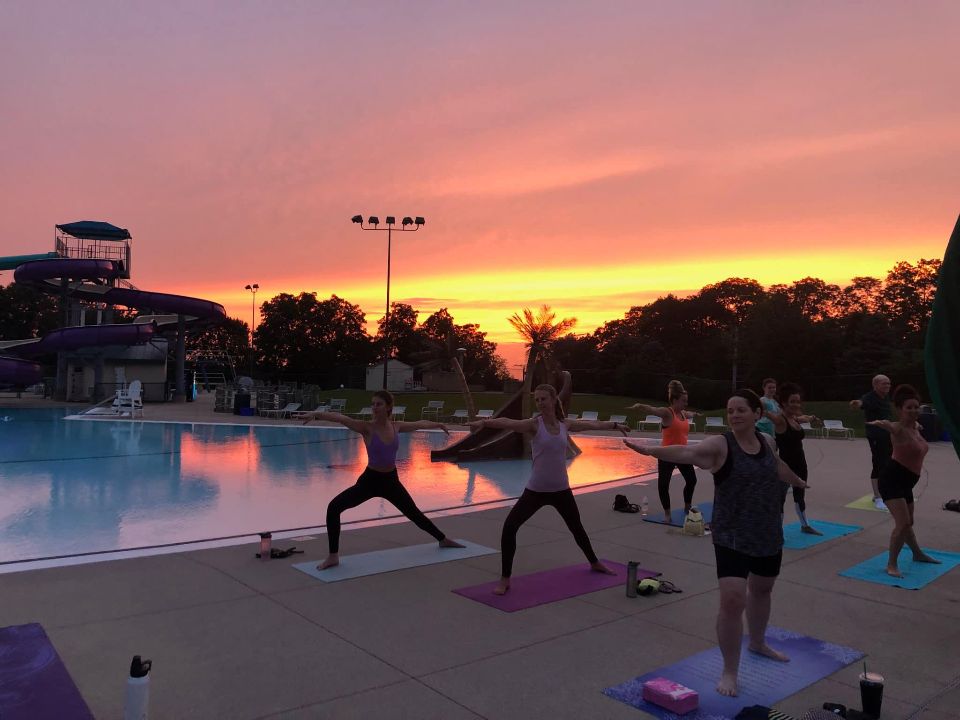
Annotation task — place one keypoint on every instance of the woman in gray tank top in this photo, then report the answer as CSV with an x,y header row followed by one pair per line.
x,y
747,525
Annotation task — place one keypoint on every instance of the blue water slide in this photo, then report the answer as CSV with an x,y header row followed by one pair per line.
x,y
55,275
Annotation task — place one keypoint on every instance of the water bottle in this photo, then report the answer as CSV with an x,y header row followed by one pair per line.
x,y
643,507
136,699
632,578
265,541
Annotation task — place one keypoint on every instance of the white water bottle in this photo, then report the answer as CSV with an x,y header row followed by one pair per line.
x,y
136,699
643,507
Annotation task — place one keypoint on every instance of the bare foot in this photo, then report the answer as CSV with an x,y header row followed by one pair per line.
x,y
810,530
894,572
601,568
767,651
924,558
502,586
727,685
447,542
333,559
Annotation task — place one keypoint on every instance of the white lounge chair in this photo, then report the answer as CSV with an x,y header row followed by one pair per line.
x,y
481,414
811,431
338,405
831,427
130,400
283,412
572,416
399,412
589,415
618,419
714,423
459,416
431,410
654,420
366,413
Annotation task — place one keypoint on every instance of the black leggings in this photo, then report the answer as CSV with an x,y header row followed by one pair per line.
x,y
371,484
527,506
665,471
799,497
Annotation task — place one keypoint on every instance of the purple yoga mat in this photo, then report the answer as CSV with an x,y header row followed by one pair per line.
x,y
550,585
34,684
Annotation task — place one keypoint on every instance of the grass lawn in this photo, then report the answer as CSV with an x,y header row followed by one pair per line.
x,y
604,405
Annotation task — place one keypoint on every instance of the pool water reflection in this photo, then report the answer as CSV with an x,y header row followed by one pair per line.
x,y
69,487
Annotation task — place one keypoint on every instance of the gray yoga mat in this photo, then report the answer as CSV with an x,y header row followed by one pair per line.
x,y
381,561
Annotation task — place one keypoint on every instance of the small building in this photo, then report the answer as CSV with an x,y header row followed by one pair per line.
x,y
399,376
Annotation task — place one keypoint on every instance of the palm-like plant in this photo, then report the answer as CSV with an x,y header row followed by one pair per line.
x,y
538,332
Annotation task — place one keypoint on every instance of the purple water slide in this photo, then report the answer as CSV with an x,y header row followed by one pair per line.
x,y
75,338
48,274
18,372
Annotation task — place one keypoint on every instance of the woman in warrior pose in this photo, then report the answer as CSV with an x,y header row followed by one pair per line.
x,y
548,483
675,431
747,525
382,438
789,436
899,476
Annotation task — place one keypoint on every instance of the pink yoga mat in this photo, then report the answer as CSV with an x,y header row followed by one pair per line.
x,y
550,585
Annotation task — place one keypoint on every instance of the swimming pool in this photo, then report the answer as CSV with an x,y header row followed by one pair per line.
x,y
69,487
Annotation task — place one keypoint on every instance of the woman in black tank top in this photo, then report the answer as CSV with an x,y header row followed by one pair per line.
x,y
789,436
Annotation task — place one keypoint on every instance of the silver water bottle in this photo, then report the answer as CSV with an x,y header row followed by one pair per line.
x,y
632,578
266,540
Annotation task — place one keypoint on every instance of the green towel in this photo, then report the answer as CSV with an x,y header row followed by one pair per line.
x,y
942,350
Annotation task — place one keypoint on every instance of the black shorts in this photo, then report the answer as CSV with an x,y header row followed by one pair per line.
x,y
731,563
897,482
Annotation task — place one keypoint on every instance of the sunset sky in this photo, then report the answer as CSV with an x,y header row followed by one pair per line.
x,y
591,156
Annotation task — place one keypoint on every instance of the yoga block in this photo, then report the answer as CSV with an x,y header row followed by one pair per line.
x,y
670,695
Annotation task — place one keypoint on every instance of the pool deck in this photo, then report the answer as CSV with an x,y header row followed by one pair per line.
x,y
233,637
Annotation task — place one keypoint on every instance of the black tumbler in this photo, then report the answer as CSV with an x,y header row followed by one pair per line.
x,y
871,693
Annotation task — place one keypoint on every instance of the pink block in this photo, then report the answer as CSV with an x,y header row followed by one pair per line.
x,y
670,695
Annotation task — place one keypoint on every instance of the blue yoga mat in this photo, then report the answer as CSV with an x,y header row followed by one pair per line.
x,y
677,515
762,681
34,684
796,540
915,575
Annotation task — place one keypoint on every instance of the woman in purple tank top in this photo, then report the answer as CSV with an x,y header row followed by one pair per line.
x,y
747,525
380,479
548,483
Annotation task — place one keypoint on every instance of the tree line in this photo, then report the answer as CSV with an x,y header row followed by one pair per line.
x,y
829,338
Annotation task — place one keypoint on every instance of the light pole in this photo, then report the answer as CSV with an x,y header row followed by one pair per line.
x,y
373,221
253,318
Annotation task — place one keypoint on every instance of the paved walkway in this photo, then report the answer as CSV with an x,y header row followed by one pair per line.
x,y
232,637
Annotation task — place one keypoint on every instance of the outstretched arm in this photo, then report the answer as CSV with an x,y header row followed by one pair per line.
x,y
661,412
575,425
778,420
520,426
708,454
789,476
885,424
359,426
420,425
856,404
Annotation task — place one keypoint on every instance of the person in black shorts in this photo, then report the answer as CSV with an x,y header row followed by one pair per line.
x,y
747,525
876,406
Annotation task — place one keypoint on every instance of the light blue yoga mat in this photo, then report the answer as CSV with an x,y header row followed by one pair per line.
x,y
762,681
915,575
677,515
381,561
794,539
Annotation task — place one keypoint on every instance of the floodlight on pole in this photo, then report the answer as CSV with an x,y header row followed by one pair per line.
x,y
391,222
253,318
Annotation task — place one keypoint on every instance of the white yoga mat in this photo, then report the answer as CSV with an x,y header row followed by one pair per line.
x,y
381,561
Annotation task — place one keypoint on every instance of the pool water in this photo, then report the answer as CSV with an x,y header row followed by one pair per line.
x,y
78,486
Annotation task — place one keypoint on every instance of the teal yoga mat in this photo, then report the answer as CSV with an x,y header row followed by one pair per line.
x,y
794,539
677,515
381,561
915,575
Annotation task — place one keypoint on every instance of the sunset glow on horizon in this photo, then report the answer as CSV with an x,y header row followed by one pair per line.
x,y
589,158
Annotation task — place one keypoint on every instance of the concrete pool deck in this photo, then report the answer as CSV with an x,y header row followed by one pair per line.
x,y
234,637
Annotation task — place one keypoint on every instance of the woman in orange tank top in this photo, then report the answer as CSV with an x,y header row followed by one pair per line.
x,y
675,428
900,475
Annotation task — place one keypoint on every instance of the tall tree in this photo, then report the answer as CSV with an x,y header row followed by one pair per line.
x,y
538,332
908,294
228,338
401,334
25,312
